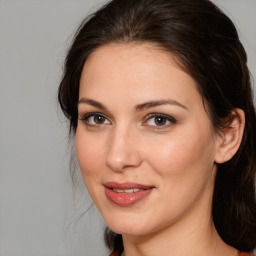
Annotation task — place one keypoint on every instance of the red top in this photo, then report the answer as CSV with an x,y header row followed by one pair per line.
x,y
240,254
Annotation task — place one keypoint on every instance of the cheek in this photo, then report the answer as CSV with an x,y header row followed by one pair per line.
x,y
90,158
184,167
188,154
89,155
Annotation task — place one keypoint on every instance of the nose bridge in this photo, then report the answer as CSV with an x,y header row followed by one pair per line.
x,y
122,148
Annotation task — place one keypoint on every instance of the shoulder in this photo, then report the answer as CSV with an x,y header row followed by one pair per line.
x,y
245,254
115,254
240,254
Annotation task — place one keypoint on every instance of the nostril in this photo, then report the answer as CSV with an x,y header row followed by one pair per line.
x,y
115,164
122,153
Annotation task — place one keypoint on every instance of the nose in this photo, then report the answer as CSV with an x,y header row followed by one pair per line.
x,y
123,151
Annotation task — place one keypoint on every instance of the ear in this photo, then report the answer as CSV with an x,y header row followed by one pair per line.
x,y
231,137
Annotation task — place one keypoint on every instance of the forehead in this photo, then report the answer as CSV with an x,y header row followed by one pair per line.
x,y
138,58
141,69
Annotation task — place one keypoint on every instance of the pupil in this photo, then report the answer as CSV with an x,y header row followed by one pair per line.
x,y
99,119
160,120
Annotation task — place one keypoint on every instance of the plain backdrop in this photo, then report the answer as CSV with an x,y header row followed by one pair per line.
x,y
41,214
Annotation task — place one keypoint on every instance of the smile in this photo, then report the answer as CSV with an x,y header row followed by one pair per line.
x,y
126,194
126,191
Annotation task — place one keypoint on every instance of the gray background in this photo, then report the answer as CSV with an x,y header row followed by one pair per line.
x,y
40,212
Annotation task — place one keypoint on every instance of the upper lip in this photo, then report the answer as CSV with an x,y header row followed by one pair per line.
x,y
126,185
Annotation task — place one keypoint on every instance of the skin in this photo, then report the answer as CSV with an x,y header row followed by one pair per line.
x,y
126,144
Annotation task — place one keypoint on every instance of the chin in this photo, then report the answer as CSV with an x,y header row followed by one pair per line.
x,y
129,231
133,227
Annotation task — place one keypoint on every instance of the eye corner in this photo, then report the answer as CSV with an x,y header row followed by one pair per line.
x,y
164,121
94,119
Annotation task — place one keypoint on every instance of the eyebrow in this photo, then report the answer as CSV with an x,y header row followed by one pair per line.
x,y
140,107
157,103
93,103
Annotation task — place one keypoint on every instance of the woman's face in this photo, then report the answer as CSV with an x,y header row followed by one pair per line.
x,y
144,142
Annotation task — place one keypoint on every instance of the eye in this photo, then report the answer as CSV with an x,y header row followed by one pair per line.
x,y
94,119
160,120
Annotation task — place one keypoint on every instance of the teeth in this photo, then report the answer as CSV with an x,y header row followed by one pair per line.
x,y
128,191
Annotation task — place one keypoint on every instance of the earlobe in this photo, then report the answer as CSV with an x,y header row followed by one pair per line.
x,y
231,137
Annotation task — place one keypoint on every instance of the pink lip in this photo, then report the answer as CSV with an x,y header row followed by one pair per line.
x,y
126,199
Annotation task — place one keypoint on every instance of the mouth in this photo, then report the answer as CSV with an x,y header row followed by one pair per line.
x,y
126,191
126,194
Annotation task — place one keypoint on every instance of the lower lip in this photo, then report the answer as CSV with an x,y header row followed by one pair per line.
x,y
126,199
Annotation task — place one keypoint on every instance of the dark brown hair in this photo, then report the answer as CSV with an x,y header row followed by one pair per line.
x,y
206,43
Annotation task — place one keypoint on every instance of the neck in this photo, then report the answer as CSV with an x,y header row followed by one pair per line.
x,y
194,234
188,242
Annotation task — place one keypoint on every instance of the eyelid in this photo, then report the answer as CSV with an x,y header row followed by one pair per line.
x,y
171,119
84,118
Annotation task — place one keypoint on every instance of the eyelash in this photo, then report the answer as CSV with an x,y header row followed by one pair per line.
x,y
85,118
166,118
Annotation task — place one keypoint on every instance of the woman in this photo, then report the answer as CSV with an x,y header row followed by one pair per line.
x,y
158,96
